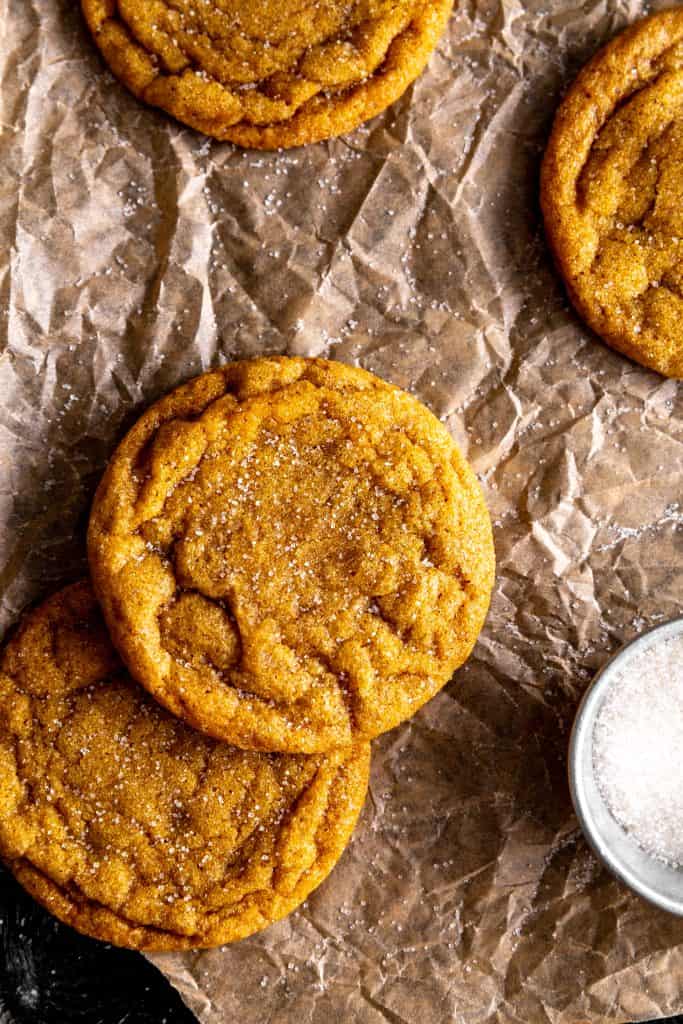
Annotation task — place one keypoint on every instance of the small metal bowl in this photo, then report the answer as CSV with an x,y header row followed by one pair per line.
x,y
654,880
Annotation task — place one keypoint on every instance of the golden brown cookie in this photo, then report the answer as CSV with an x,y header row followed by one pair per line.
x,y
291,554
131,826
264,74
612,192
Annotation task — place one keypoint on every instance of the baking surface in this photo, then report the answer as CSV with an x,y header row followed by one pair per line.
x,y
137,253
52,975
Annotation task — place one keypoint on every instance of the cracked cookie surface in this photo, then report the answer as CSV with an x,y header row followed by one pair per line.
x,y
612,192
267,75
291,554
131,826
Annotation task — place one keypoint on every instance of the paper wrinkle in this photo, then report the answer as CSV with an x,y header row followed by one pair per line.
x,y
137,253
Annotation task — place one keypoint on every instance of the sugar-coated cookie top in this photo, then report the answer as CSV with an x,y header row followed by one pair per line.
x,y
612,192
291,554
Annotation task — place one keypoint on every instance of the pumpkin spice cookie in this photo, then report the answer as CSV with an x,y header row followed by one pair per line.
x,y
291,554
134,828
612,192
264,74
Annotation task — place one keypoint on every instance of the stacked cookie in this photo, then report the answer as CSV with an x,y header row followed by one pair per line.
x,y
291,556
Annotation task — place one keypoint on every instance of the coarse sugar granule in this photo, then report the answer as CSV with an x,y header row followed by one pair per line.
x,y
638,748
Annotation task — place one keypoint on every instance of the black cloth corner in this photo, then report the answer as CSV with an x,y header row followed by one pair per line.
x,y
49,974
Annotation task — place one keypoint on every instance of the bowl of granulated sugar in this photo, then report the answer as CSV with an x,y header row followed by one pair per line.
x,y
626,765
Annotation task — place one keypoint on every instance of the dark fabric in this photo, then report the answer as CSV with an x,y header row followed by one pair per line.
x,y
51,975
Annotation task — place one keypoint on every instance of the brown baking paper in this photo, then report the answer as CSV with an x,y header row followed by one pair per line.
x,y
135,253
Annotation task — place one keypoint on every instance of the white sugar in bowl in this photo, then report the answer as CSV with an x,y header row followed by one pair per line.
x,y
626,765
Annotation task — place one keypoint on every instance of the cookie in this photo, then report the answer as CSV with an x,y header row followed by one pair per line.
x,y
291,554
134,828
612,192
268,75
264,75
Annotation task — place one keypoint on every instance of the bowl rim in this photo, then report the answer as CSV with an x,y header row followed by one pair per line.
x,y
580,741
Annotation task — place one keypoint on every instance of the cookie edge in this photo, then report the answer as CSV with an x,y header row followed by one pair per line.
x,y
362,103
576,117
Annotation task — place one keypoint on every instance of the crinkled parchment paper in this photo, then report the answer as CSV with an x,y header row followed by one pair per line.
x,y
135,253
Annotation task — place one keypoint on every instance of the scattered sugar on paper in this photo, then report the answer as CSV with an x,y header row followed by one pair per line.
x,y
638,748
